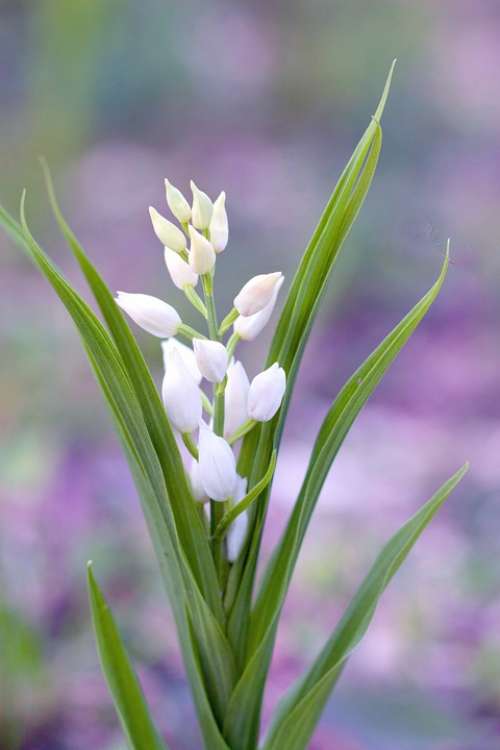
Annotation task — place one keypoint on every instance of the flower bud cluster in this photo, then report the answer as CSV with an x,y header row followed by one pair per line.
x,y
238,404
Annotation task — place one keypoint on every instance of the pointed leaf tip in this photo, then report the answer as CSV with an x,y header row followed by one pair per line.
x,y
385,93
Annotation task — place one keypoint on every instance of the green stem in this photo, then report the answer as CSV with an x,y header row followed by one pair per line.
x,y
208,291
241,431
195,300
231,344
207,404
190,444
228,321
189,333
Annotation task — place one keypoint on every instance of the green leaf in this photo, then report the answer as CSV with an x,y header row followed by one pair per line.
x,y
332,433
293,329
208,659
122,681
231,515
265,615
188,522
300,711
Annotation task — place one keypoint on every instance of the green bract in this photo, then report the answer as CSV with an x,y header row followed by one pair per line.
x,y
226,625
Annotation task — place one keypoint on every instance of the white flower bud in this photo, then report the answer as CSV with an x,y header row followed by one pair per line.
x,y
211,358
177,203
181,395
238,530
186,354
201,212
257,293
235,398
201,254
217,465
152,314
167,233
248,327
266,393
199,493
180,272
219,229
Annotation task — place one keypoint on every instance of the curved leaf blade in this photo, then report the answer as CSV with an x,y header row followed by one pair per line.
x,y
300,711
122,681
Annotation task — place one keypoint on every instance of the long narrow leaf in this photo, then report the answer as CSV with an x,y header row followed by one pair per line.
x,y
347,405
189,526
122,681
300,711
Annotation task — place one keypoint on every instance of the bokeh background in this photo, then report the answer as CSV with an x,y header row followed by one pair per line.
x,y
266,100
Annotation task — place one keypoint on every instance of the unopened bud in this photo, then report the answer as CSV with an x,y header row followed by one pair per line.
x,y
177,203
186,354
266,393
257,293
217,465
199,493
152,314
180,272
181,395
201,212
235,398
238,530
167,233
219,228
248,327
201,253
211,358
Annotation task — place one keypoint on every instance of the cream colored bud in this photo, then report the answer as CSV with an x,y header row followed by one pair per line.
x,y
181,395
235,398
152,314
211,358
177,203
219,228
199,493
257,293
248,327
180,272
167,233
238,530
201,212
186,354
266,393
217,465
201,253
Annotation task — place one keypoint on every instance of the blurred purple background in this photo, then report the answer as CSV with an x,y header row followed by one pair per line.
x,y
265,100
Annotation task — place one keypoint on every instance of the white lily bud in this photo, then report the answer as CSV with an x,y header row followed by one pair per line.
x,y
199,493
238,530
180,272
167,233
152,314
219,228
186,354
201,212
217,465
257,293
181,395
235,398
201,254
248,327
211,358
177,203
266,393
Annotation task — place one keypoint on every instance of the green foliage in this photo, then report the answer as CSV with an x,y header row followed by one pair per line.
x,y
227,637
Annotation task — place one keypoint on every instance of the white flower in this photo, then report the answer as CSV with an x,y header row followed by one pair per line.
x,y
248,327
201,212
257,293
199,493
152,314
186,354
177,203
217,465
211,358
201,254
266,393
238,530
180,272
167,233
219,229
235,398
181,395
